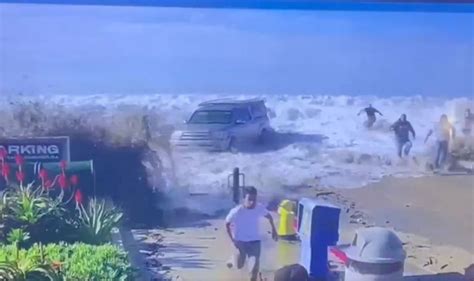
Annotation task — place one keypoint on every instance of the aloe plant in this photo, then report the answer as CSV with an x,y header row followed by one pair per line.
x,y
29,205
46,212
97,220
17,237
35,211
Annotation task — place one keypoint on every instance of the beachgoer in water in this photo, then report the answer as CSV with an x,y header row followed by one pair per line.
x,y
402,129
468,122
242,225
444,132
293,272
370,111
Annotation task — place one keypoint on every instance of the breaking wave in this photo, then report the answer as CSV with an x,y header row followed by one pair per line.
x,y
319,140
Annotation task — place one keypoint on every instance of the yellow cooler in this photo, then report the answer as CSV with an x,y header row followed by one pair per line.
x,y
286,228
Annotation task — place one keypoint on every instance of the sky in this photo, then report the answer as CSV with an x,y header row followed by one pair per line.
x,y
48,49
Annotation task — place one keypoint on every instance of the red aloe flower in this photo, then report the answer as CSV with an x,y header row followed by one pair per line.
x,y
43,175
3,153
78,196
48,184
62,180
5,170
19,160
20,176
74,180
63,165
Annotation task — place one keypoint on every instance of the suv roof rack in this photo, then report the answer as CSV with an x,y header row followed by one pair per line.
x,y
230,101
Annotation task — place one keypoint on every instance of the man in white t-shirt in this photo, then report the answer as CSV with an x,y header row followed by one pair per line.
x,y
242,225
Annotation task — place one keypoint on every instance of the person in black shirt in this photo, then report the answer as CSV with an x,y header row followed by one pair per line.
x,y
402,129
370,111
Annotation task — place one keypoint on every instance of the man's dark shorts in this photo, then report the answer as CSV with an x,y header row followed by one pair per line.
x,y
249,251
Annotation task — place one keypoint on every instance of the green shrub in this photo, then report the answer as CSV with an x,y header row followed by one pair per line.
x,y
104,262
25,270
67,262
20,265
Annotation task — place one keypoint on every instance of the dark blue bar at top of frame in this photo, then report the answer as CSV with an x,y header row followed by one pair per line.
x,y
456,6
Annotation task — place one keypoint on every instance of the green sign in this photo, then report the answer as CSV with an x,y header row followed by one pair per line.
x,y
37,149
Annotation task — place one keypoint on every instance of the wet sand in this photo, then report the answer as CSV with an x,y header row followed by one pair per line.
x,y
433,216
439,207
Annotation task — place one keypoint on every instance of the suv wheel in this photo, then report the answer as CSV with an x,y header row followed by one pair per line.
x,y
263,136
231,147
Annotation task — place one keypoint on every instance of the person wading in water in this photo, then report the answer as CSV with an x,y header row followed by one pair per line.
x,y
444,132
402,129
371,118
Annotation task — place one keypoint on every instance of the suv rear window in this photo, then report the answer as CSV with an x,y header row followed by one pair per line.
x,y
242,114
211,117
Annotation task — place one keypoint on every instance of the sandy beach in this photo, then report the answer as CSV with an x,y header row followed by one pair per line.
x,y
439,207
433,216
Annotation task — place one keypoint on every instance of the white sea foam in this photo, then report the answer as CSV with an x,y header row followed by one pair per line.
x,y
321,140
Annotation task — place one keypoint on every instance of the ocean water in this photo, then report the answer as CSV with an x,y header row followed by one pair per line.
x,y
320,141
82,50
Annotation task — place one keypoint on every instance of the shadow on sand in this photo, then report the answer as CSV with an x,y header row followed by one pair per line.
x,y
178,255
170,255
277,140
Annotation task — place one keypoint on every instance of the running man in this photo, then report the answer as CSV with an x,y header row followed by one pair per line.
x,y
468,122
402,129
444,132
370,111
242,225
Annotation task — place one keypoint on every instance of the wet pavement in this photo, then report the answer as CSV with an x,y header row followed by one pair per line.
x,y
199,252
